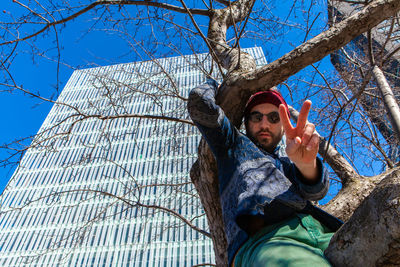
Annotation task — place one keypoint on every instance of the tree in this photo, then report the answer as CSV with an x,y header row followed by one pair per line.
x,y
229,24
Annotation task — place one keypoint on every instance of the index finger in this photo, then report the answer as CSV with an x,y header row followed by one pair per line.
x,y
302,120
287,125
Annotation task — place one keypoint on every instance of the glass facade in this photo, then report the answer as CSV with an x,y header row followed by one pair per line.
x,y
354,57
106,179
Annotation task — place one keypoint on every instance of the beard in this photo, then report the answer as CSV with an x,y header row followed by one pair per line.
x,y
266,139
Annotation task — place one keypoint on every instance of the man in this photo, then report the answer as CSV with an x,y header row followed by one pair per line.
x,y
265,193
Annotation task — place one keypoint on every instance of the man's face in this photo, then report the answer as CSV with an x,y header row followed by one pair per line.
x,y
265,133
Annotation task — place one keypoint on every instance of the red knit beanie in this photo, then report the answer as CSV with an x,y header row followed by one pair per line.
x,y
271,96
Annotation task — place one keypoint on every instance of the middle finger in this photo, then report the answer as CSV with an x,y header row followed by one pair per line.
x,y
308,131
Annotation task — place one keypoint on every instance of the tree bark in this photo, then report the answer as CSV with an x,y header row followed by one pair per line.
x,y
351,196
204,176
231,58
371,237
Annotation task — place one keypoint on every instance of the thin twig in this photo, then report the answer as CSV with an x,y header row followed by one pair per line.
x,y
106,3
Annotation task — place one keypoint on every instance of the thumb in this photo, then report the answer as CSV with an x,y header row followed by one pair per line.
x,y
292,145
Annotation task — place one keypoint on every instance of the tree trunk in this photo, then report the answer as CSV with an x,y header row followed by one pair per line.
x,y
371,237
242,80
351,196
204,176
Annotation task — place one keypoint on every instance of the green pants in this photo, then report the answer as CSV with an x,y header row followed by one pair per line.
x,y
296,242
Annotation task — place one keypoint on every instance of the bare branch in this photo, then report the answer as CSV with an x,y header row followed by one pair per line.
x,y
106,3
224,2
321,45
240,87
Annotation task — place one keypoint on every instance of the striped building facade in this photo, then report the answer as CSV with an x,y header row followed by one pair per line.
x,y
106,179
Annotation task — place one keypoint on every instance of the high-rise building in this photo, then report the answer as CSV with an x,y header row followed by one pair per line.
x,y
107,176
383,43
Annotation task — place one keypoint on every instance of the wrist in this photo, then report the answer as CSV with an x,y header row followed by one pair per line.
x,y
309,171
306,165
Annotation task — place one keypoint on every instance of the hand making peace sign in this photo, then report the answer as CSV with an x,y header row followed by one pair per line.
x,y
302,141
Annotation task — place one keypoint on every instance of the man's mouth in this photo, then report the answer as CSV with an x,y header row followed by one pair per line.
x,y
264,134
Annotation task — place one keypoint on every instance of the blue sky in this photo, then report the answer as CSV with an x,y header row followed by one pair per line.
x,y
22,116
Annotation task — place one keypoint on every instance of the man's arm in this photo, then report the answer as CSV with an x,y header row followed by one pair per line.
x,y
316,189
210,118
302,144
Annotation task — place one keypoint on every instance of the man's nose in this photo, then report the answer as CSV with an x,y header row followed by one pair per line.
x,y
264,123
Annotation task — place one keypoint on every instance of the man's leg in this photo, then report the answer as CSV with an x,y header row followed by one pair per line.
x,y
299,241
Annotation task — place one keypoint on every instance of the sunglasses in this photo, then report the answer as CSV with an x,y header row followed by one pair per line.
x,y
272,117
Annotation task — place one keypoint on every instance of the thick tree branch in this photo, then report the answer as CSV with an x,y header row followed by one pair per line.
x,y
324,44
240,87
220,21
372,236
204,177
